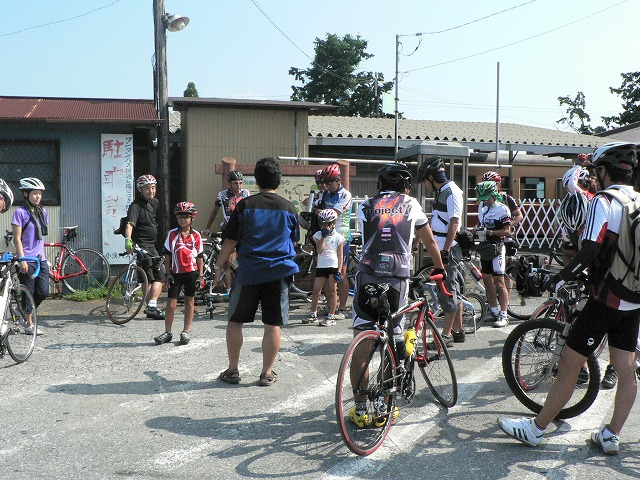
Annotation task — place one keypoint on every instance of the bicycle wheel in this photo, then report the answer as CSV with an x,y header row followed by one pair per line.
x,y
21,342
126,295
474,306
517,307
548,309
529,368
96,276
435,364
366,375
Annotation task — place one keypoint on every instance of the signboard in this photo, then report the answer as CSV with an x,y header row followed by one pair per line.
x,y
117,190
294,189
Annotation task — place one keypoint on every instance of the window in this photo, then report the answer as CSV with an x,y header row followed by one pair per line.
x,y
41,159
532,188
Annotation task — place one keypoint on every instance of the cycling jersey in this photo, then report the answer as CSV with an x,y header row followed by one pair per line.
x,y
183,250
142,215
494,217
340,200
447,205
228,201
574,185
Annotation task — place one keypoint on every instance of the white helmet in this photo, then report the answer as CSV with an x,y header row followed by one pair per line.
x,y
6,192
327,215
573,211
31,183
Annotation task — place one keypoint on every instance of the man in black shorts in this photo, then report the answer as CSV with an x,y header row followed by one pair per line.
x,y
611,310
264,229
142,230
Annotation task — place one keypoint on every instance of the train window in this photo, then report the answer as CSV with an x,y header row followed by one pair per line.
x,y
532,188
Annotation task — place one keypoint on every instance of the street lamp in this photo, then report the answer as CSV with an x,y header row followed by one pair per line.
x,y
161,23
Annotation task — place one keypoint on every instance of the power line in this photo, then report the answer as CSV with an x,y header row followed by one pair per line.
x,y
59,21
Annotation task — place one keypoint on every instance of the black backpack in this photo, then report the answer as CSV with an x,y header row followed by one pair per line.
x,y
465,239
529,280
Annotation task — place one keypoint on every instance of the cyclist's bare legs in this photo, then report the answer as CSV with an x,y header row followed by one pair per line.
x,y
453,321
318,282
172,303
360,355
490,287
234,343
343,287
189,310
624,364
501,289
155,289
270,347
330,293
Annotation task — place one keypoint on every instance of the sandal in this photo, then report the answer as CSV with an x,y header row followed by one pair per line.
x,y
267,379
230,376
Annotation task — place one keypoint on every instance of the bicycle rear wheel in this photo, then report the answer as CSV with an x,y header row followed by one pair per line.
x,y
96,276
366,375
517,307
20,341
528,366
435,364
126,295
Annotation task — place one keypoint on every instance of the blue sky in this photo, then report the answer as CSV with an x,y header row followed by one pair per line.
x,y
231,49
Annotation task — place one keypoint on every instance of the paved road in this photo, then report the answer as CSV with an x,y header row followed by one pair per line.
x,y
100,401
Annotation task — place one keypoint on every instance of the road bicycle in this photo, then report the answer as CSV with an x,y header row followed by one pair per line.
x,y
208,295
127,293
17,334
371,372
79,269
533,349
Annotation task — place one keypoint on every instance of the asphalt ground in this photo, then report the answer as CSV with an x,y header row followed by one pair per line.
x,y
101,401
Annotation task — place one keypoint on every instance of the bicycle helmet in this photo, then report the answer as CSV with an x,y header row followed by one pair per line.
x,y
7,194
146,180
429,167
328,215
395,175
583,174
582,158
31,183
331,172
573,211
319,179
486,190
491,176
234,176
185,207
621,155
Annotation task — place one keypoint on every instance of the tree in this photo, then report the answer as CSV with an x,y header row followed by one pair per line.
x,y
191,90
332,78
629,91
576,112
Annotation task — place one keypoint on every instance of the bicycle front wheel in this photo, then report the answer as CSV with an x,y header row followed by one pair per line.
x,y
21,335
366,378
435,364
530,368
126,295
96,274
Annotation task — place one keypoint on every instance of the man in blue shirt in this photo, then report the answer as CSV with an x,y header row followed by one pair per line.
x,y
264,229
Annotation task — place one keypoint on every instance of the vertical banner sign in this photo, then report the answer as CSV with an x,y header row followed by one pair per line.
x,y
117,190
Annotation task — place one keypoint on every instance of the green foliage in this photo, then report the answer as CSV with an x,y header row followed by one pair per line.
x,y
629,91
332,78
191,90
91,293
576,113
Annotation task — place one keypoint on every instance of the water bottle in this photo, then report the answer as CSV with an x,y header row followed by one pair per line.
x,y
312,195
410,339
475,271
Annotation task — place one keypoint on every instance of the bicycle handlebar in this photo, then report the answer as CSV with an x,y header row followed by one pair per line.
x,y
9,257
439,280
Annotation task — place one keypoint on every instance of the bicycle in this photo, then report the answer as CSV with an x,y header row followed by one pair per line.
x,y
128,291
370,370
17,335
79,269
532,351
208,295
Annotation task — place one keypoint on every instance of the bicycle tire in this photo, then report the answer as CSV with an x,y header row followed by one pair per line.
x,y
517,306
479,311
526,362
435,364
549,309
378,393
98,270
20,344
126,296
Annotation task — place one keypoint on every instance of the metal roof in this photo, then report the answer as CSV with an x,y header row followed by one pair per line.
x,y
180,102
480,136
67,110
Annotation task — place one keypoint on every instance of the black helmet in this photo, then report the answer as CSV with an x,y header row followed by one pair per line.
x,y
429,167
396,175
620,155
234,176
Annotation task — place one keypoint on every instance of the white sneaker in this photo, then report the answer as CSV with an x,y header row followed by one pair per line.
x,y
341,314
502,321
522,429
330,321
312,317
607,440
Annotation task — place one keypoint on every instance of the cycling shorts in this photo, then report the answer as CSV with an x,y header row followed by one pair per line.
x,y
187,280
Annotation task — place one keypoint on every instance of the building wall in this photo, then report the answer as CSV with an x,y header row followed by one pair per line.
x,y
210,134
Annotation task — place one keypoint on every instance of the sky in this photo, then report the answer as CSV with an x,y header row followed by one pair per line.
x,y
244,49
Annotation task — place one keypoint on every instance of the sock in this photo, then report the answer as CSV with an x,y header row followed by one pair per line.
x,y
153,303
539,430
502,313
495,310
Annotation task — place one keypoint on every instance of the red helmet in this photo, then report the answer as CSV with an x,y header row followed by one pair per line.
x,y
331,172
185,207
491,176
146,180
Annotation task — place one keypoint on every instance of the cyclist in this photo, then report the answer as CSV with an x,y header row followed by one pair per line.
x,y
314,225
6,196
30,225
388,222
338,198
227,199
142,229
609,310
445,223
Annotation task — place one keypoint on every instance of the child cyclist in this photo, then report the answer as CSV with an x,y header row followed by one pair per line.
x,y
328,243
184,267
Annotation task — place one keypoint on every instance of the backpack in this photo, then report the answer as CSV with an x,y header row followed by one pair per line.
x,y
625,265
529,280
465,239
